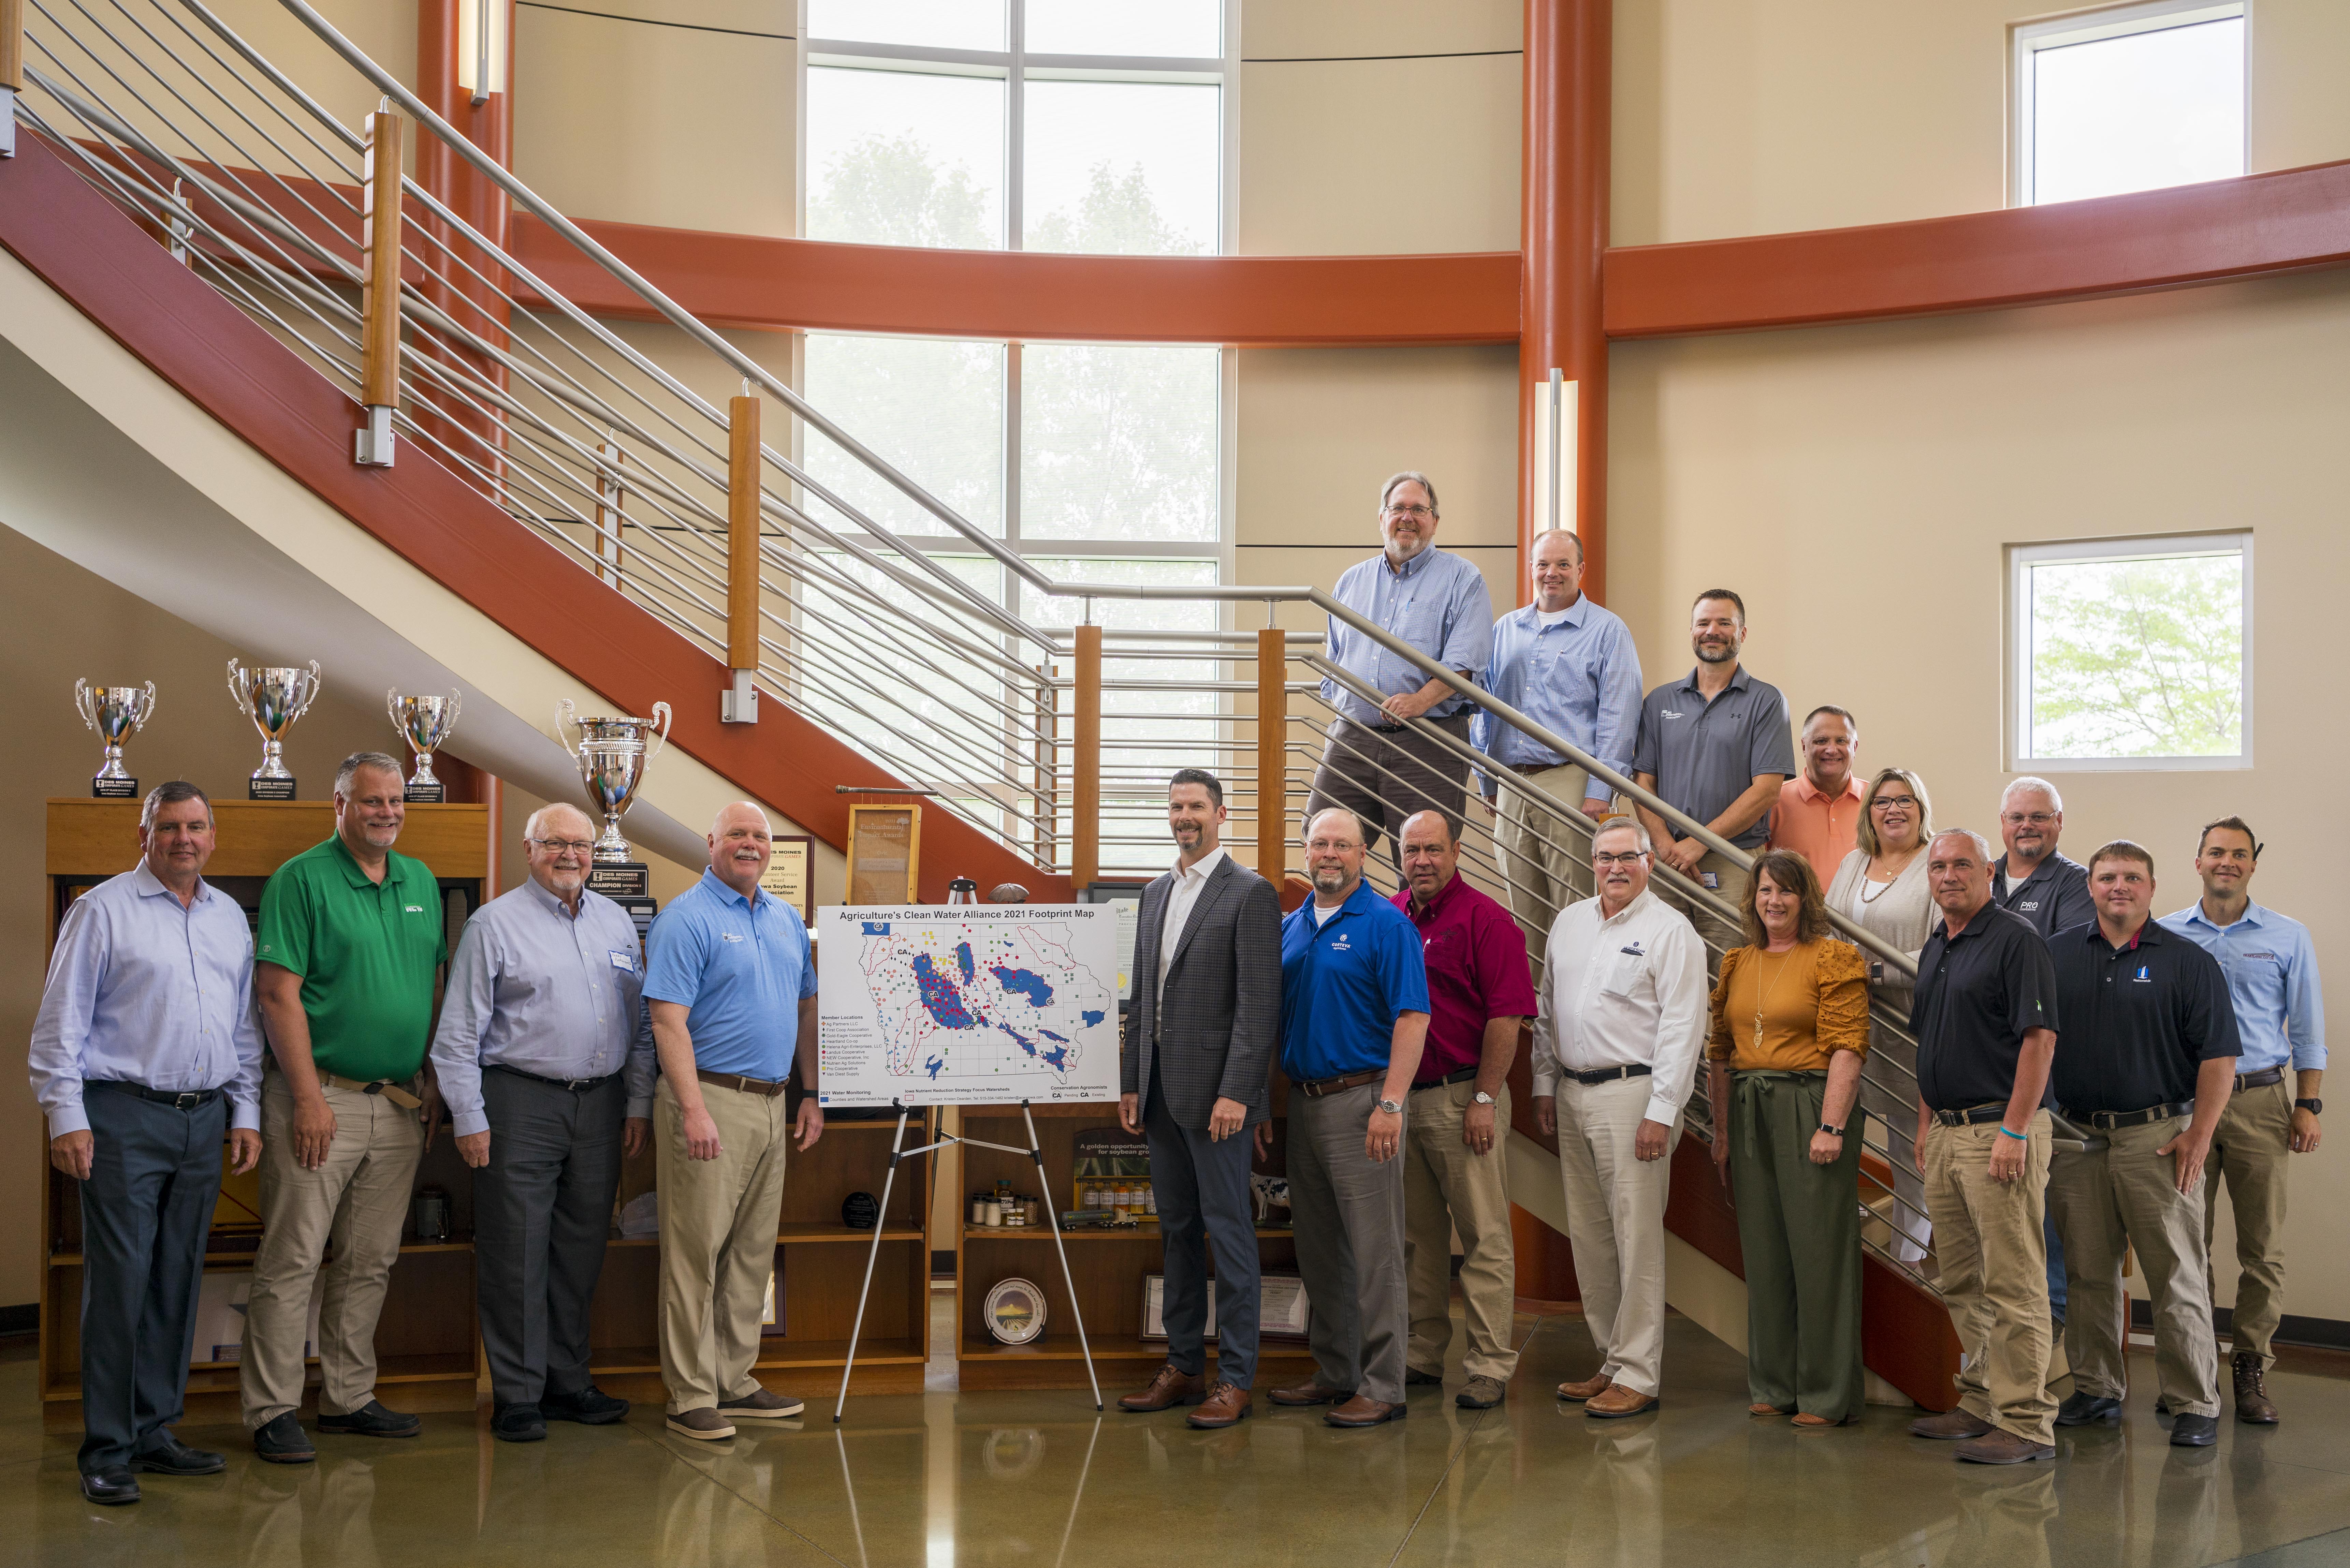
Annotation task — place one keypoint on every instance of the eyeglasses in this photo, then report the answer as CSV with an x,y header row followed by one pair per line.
x,y
1603,860
564,845
2034,818
1881,802
1406,512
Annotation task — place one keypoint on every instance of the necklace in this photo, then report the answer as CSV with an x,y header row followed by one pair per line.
x,y
1882,888
1763,997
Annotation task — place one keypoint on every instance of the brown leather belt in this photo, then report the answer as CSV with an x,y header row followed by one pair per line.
x,y
384,1086
737,1081
2260,1080
1319,1088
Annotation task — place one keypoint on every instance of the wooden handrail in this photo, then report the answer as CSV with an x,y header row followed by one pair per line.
x,y
1084,765
379,241
743,532
1272,754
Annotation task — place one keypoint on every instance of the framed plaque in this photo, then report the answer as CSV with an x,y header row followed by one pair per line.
x,y
791,874
1154,1307
1015,1312
1283,1312
885,854
1126,898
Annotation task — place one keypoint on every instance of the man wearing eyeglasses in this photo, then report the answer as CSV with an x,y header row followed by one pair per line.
x,y
1378,764
2032,879
546,1059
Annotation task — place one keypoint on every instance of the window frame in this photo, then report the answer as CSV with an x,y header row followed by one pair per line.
x,y
2022,558
2027,40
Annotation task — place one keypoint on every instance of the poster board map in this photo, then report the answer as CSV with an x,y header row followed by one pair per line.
x,y
966,1004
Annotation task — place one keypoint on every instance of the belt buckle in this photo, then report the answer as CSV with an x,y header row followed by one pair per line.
x,y
186,1101
374,1088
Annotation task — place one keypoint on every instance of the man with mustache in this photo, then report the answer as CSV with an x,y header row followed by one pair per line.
x,y
2034,879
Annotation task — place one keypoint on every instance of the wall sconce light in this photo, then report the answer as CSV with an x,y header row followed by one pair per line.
x,y
481,47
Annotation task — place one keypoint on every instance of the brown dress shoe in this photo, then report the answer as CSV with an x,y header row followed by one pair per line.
x,y
1951,1425
2252,1405
1312,1391
2004,1447
1362,1410
1225,1406
1172,1386
1616,1402
1589,1388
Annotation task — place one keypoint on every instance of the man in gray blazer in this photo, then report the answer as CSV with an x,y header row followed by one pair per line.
x,y
1200,1035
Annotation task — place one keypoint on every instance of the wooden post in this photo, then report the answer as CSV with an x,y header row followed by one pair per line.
x,y
1272,755
1085,806
379,291
12,71
743,467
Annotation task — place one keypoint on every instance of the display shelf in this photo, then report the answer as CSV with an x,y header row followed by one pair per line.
x,y
245,1255
1044,1233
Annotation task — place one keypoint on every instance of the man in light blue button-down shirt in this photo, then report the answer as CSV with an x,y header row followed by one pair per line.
x,y
544,1055
146,1051
1569,665
1376,765
2271,970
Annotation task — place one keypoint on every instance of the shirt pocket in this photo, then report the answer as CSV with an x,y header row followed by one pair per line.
x,y
1421,622
1624,975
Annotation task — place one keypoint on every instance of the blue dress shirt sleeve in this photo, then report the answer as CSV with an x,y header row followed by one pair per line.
x,y
245,1089
1619,725
2305,1005
1469,624
467,1004
61,1027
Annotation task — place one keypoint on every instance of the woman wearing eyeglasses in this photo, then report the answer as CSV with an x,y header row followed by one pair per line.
x,y
1881,885
1790,1034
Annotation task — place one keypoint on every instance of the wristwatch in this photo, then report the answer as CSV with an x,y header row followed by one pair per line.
x,y
1832,1132
2314,1108
1392,1108
1483,1098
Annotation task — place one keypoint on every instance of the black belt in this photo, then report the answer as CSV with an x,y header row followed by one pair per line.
x,y
2112,1121
1605,1074
1318,1087
577,1086
1387,729
178,1099
2260,1080
1462,1076
1973,1116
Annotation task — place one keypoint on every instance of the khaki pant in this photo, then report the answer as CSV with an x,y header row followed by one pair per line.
x,y
1615,1223
1995,1273
1532,848
1448,1187
2250,1152
2126,1196
1730,883
358,1199
718,1222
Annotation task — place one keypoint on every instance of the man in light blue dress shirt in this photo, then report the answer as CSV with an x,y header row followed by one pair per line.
x,y
545,1057
1377,765
2271,970
146,1051
1569,665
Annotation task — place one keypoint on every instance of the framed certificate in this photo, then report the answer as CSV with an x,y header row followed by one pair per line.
x,y
1154,1307
1283,1312
885,854
791,874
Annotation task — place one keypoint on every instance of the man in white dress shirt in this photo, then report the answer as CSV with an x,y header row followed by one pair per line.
x,y
1616,1052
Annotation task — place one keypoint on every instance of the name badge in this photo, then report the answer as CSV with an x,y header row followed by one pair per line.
x,y
624,961
1712,879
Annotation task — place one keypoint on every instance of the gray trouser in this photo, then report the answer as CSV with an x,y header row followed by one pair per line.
x,y
154,1175
1349,1214
1385,778
1202,1187
542,1209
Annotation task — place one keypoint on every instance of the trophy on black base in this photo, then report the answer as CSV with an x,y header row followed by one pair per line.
x,y
613,752
272,696
117,713
426,724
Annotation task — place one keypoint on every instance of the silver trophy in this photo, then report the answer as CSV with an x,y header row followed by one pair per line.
x,y
117,713
612,753
272,696
426,724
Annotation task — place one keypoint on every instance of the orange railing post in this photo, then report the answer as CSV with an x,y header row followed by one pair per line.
x,y
1085,762
741,703
1272,755
379,292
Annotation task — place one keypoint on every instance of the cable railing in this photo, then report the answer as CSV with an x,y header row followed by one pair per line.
x,y
609,443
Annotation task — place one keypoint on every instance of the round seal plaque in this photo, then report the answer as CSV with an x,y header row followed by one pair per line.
x,y
1016,1311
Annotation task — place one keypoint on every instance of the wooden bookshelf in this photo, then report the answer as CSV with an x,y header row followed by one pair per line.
x,y
1107,1266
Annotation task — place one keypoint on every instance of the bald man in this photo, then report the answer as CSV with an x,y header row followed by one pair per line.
x,y
731,983
546,1056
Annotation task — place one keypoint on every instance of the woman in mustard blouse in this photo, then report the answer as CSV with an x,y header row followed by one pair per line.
x,y
1790,1032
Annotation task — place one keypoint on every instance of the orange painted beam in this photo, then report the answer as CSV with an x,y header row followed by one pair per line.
x,y
744,280
2216,232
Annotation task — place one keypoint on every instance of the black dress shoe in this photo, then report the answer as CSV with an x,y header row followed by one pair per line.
x,y
591,1406
2083,1409
112,1484
174,1458
518,1424
372,1420
2194,1432
282,1441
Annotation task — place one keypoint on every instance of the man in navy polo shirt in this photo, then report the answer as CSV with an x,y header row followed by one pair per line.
x,y
731,982
1354,1016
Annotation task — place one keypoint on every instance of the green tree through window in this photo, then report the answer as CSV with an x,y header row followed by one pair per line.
x,y
2138,659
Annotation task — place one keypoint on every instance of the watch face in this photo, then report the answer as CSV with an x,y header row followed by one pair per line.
x,y
1483,1098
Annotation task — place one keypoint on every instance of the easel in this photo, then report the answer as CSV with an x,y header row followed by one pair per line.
x,y
1035,1152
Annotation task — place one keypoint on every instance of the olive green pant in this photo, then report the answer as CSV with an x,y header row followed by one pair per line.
x,y
1799,1232
2250,1152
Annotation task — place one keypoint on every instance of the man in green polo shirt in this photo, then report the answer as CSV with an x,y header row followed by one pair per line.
x,y
350,953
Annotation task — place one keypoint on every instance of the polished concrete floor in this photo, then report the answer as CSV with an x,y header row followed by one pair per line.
x,y
936,1480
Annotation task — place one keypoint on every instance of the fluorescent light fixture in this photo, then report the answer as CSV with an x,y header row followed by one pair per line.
x,y
481,47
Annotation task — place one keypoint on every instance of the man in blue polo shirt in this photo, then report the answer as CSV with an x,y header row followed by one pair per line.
x,y
1354,1016
731,982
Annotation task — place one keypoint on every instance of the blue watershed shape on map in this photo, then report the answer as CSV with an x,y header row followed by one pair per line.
x,y
963,962
941,997
1093,1016
1053,1056
1027,981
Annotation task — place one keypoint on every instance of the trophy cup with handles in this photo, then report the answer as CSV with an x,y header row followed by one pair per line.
x,y
117,713
613,751
426,724
272,696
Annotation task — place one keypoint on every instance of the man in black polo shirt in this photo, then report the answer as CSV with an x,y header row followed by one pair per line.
x,y
2149,1058
1985,1017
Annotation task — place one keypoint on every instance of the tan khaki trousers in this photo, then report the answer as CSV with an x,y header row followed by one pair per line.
x,y
718,1222
2250,1152
1730,883
358,1199
1447,1188
1995,1273
1531,847
1615,1223
2126,1196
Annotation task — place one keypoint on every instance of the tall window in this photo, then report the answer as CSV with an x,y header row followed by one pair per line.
x,y
2129,98
2133,653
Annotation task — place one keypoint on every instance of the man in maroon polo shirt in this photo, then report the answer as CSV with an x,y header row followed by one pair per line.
x,y
1479,992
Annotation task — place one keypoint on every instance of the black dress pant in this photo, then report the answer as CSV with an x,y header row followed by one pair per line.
x,y
542,1210
146,1210
1204,1203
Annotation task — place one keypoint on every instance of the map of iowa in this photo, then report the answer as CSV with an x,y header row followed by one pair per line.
x,y
970,1000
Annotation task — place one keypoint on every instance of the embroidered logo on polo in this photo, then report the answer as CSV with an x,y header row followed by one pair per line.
x,y
1668,714
2032,905
1635,948
415,908
731,936
1339,944
2145,975
2269,958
